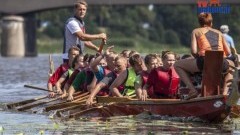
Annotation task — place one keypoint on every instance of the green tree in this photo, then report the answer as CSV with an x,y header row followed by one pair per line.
x,y
171,37
121,21
56,20
180,18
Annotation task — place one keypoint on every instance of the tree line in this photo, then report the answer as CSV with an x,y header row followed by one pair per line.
x,y
164,24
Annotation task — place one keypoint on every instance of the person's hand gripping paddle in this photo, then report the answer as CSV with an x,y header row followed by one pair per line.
x,y
104,42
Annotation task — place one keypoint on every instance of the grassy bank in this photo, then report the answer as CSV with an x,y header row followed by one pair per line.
x,y
47,45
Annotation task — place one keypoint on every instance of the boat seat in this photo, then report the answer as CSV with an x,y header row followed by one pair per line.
x,y
212,73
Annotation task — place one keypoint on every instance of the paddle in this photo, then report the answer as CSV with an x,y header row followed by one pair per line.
x,y
101,46
78,99
51,66
15,104
21,103
37,88
35,104
38,103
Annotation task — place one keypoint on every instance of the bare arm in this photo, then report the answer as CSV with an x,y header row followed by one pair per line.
x,y
88,37
144,92
91,46
60,81
65,89
50,88
194,44
70,93
94,92
117,82
94,64
138,86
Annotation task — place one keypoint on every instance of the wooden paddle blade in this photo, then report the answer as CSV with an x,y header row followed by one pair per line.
x,y
34,104
63,105
15,104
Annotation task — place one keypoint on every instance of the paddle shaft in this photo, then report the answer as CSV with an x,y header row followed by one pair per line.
x,y
51,65
37,88
101,47
78,98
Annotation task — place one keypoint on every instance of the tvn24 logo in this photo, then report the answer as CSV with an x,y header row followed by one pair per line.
x,y
212,6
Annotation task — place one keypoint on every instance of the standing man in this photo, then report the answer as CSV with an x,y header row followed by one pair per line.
x,y
75,30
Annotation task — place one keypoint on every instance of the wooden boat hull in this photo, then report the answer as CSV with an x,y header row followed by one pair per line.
x,y
212,109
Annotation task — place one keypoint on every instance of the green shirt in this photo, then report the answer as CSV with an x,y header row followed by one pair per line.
x,y
79,80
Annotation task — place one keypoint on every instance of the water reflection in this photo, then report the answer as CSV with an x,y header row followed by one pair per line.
x,y
28,124
16,72
131,125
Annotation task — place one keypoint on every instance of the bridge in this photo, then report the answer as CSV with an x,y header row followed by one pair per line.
x,y
26,6
25,9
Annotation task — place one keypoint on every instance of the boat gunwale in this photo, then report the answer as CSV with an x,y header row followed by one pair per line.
x,y
159,101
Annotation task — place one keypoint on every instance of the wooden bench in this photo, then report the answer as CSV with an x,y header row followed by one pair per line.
x,y
212,73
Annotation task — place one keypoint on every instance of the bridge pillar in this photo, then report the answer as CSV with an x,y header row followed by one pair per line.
x,y
30,34
13,43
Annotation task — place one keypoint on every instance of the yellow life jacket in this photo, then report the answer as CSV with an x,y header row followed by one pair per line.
x,y
129,84
70,71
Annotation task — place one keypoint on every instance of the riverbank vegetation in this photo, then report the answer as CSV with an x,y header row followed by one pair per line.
x,y
48,45
145,28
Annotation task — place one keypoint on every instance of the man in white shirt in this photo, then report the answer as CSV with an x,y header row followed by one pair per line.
x,y
75,30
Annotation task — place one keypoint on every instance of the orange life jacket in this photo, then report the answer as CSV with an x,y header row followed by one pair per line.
x,y
210,41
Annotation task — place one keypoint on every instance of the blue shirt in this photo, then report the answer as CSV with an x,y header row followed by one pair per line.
x,y
100,74
229,40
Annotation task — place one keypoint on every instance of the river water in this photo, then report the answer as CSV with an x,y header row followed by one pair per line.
x,y
16,72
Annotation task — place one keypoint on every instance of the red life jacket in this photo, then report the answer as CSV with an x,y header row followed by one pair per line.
x,y
144,75
58,73
120,87
175,81
106,70
167,83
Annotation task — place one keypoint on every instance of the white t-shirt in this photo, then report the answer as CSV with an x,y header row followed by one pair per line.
x,y
72,26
